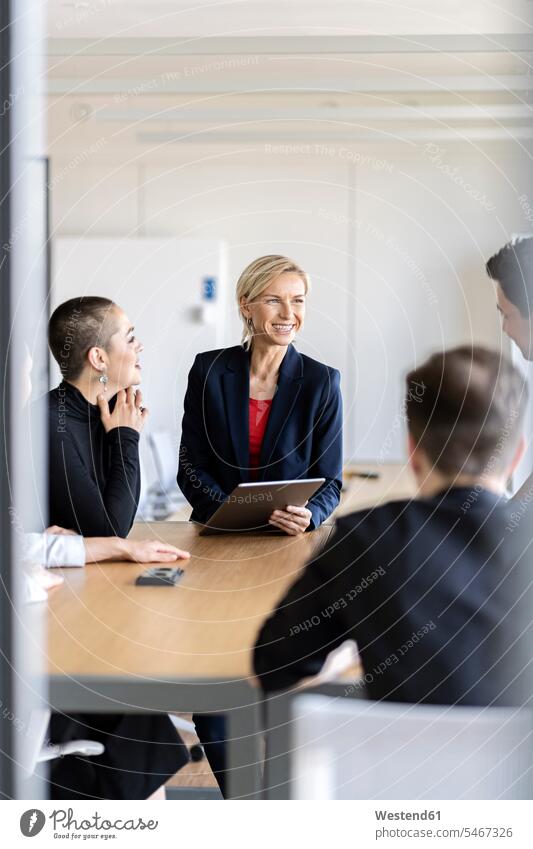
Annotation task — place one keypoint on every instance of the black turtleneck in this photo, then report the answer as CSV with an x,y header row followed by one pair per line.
x,y
94,489
94,476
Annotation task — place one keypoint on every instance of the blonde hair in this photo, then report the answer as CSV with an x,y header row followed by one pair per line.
x,y
257,277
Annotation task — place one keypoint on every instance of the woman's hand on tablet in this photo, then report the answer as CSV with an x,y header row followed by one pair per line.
x,y
293,520
128,411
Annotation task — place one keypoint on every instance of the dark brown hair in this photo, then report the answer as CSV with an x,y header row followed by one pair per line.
x,y
465,408
77,326
512,267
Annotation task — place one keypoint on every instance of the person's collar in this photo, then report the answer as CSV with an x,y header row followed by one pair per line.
x,y
474,494
291,367
76,403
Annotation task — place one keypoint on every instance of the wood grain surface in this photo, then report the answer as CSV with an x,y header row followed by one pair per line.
x,y
100,623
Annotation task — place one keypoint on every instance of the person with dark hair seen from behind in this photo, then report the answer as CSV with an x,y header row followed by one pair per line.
x,y
95,419
433,589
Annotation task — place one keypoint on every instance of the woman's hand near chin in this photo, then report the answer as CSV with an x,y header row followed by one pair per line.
x,y
128,412
293,520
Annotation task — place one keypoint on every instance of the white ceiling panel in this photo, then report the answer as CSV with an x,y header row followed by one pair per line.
x,y
168,18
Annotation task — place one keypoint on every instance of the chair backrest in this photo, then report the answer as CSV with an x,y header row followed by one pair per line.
x,y
36,750
352,749
36,726
165,456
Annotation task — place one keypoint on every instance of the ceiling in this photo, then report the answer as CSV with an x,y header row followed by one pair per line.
x,y
193,18
145,75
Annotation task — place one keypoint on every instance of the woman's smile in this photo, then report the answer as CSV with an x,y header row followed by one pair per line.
x,y
283,328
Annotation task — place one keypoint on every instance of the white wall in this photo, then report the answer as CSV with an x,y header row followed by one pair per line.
x,y
159,284
394,240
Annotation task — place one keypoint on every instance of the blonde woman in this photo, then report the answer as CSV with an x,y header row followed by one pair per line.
x,y
261,411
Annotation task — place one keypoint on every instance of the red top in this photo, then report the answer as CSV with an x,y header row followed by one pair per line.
x,y
258,413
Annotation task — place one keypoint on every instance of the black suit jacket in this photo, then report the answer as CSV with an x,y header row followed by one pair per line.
x,y
303,438
433,591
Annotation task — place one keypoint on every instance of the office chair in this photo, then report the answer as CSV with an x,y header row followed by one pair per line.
x,y
39,752
352,749
164,496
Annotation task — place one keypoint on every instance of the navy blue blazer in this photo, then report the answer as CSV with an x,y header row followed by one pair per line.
x,y
303,437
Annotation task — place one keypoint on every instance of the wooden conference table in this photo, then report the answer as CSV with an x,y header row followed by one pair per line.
x,y
113,646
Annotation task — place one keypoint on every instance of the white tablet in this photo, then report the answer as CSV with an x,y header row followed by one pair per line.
x,y
250,505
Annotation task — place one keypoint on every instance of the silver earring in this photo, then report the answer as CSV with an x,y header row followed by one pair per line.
x,y
250,323
104,379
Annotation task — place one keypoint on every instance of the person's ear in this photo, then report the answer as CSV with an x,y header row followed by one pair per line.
x,y
245,309
415,460
97,358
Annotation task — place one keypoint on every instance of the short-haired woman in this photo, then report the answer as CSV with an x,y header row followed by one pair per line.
x,y
94,453
95,419
261,411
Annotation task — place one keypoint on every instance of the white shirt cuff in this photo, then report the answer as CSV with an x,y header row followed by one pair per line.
x,y
64,550
53,550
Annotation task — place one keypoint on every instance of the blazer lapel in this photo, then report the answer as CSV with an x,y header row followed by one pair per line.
x,y
283,404
236,389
